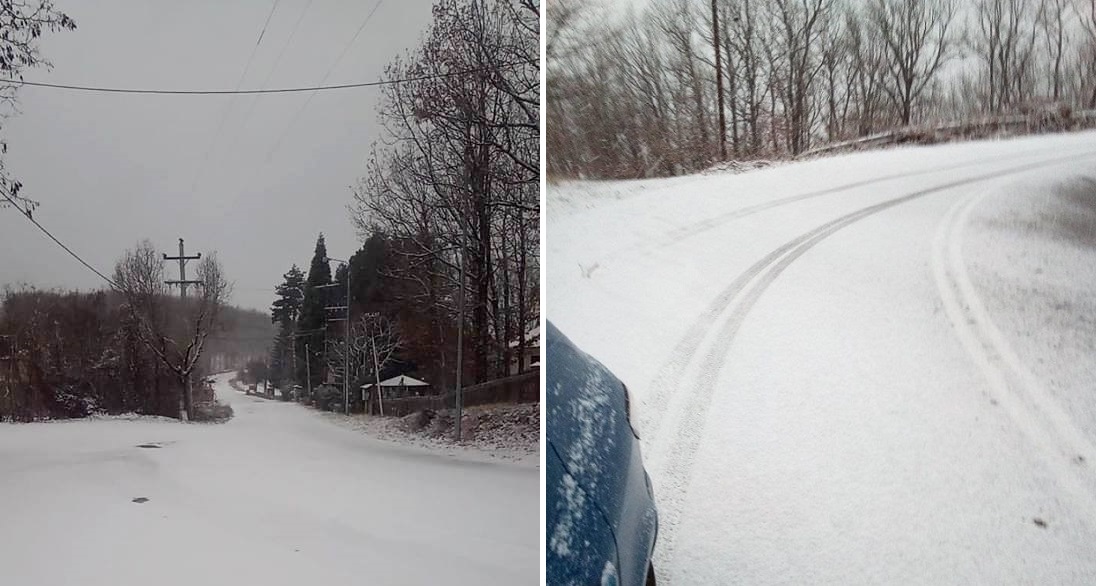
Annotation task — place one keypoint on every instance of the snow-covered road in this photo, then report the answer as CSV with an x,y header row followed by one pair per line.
x,y
871,368
275,496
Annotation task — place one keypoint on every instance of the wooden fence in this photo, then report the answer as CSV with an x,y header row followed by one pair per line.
x,y
520,388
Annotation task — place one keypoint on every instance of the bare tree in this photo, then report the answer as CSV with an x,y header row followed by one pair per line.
x,y
564,18
917,39
745,40
868,56
378,339
1085,12
1005,42
797,27
21,26
175,331
1055,35
680,26
374,341
456,177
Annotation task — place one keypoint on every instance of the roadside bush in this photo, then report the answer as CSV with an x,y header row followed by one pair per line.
x,y
328,398
73,405
212,412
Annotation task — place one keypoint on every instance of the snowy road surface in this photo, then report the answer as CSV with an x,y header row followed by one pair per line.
x,y
871,368
274,496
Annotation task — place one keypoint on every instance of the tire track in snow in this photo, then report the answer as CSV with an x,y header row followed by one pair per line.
x,y
1012,385
675,455
660,388
681,233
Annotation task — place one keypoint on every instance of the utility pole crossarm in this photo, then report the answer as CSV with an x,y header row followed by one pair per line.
x,y
182,281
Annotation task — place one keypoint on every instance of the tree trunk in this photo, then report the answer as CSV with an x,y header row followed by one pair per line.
x,y
186,401
522,276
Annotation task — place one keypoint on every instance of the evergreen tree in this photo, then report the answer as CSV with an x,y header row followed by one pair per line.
x,y
373,290
313,317
284,313
368,292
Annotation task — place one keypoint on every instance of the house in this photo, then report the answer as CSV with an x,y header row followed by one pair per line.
x,y
399,387
531,354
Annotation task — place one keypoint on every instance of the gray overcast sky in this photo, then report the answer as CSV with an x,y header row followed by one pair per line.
x,y
111,169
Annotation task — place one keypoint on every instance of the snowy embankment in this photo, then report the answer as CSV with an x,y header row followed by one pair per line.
x,y
872,368
505,432
502,431
275,496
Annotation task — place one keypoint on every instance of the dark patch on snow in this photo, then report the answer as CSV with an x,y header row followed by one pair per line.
x,y
1074,216
150,445
1079,460
1039,522
140,499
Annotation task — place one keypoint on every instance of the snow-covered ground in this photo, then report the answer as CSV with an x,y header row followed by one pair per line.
x,y
872,368
277,495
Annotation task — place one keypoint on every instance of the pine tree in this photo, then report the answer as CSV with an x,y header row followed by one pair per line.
x,y
284,313
368,292
313,317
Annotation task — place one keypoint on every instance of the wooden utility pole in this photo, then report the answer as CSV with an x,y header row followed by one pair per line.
x,y
7,354
182,258
377,375
719,83
460,345
346,349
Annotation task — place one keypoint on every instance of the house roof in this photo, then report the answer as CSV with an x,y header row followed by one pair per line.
x,y
532,339
400,381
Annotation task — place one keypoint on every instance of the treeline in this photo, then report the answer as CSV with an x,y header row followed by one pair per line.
x,y
394,329
133,348
638,95
243,335
452,188
385,337
67,354
448,211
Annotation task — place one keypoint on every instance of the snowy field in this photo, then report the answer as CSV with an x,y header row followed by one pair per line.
x,y
871,368
277,495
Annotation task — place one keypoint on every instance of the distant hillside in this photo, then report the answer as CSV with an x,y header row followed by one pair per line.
x,y
247,334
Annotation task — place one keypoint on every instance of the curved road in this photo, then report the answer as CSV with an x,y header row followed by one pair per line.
x,y
277,495
871,368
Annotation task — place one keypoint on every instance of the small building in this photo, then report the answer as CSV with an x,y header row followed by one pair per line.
x,y
531,353
399,387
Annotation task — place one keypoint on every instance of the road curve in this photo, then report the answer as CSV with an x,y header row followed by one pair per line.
x,y
824,396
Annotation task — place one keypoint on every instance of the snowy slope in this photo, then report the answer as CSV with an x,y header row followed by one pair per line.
x,y
872,368
275,496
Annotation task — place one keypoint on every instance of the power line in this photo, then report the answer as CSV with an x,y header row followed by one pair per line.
x,y
338,60
288,40
59,243
239,82
315,88
270,73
